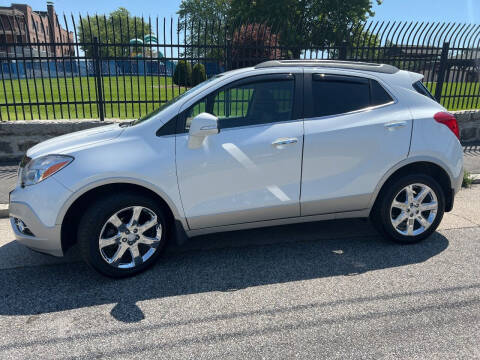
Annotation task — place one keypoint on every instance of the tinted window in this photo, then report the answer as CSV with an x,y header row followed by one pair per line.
x,y
379,95
421,89
339,94
169,128
248,104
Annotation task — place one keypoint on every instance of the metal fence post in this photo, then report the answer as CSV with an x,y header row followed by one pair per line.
x,y
98,78
441,71
342,51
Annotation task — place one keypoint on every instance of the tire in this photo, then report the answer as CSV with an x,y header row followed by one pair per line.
x,y
394,220
115,238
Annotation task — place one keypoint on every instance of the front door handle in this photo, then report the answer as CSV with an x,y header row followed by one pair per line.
x,y
284,141
395,125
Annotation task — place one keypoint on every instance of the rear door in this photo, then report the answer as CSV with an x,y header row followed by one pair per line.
x,y
354,132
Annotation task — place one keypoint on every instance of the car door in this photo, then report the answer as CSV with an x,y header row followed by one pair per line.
x,y
250,171
355,132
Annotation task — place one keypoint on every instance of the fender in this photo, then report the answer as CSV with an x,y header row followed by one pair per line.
x,y
405,162
177,212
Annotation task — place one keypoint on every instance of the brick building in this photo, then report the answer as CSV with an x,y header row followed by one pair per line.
x,y
20,24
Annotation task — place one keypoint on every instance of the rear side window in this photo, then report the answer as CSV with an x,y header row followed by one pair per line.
x,y
421,89
338,94
378,94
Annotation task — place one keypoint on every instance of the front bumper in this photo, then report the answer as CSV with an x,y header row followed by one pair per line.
x,y
43,238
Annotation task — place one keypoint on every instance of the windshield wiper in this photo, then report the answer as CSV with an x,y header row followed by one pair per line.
x,y
126,123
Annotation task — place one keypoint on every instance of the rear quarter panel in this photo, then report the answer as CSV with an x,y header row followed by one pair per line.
x,y
432,140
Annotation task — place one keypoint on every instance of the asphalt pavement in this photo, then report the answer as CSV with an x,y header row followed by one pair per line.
x,y
332,289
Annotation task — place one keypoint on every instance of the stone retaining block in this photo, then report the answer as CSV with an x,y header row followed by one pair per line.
x,y
17,136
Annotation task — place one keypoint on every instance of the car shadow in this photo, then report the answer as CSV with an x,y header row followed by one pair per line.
x,y
218,262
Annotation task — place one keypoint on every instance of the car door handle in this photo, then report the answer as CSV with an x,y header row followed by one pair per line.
x,y
284,141
395,125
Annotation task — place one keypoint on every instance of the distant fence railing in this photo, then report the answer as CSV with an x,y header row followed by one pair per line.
x,y
107,68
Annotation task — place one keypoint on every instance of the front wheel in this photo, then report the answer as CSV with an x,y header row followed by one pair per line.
x,y
410,209
122,235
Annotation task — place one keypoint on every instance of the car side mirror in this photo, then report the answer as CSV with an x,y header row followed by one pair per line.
x,y
202,125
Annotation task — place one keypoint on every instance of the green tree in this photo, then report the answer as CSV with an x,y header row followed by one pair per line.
x,y
203,10
302,24
118,27
205,21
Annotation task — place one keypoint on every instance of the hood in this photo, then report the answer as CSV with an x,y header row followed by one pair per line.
x,y
66,143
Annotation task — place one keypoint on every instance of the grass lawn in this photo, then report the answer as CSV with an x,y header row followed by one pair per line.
x,y
468,95
124,91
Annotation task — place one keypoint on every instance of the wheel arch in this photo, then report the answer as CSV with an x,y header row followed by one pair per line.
x,y
418,166
75,207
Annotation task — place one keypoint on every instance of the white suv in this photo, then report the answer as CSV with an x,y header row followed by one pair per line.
x,y
278,143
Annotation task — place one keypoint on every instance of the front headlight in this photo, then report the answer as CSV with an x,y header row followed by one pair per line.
x,y
41,168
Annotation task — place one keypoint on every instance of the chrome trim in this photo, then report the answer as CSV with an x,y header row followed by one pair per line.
x,y
285,141
210,127
370,108
395,125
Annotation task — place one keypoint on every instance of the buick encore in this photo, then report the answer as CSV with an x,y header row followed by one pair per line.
x,y
282,142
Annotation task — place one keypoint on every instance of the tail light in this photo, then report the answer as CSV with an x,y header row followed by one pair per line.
x,y
449,120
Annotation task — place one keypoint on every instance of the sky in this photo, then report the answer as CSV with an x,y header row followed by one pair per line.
x,y
417,10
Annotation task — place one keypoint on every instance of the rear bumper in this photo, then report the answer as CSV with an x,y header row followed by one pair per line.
x,y
40,237
457,185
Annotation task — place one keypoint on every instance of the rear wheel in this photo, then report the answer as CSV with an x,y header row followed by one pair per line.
x,y
410,209
122,235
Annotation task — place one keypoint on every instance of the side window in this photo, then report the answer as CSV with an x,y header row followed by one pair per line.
x,y
233,102
253,103
421,89
379,95
334,94
194,110
339,94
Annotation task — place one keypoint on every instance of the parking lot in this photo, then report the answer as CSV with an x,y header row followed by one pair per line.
x,y
333,289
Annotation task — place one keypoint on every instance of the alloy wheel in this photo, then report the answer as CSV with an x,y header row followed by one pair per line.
x,y
413,209
130,237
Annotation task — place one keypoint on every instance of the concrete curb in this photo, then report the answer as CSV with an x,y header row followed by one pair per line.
x,y
3,211
476,178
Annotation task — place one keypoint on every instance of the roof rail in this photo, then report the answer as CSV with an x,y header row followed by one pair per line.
x,y
352,65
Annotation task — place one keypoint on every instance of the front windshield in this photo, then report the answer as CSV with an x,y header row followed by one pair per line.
x,y
174,100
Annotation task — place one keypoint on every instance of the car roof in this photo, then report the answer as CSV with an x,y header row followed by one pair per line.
x,y
352,65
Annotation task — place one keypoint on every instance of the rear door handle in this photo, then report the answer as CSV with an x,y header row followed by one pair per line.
x,y
395,125
284,141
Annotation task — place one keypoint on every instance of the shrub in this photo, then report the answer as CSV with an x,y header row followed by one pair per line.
x,y
198,74
182,76
467,179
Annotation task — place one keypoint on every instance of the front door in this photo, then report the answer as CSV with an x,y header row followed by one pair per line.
x,y
250,171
